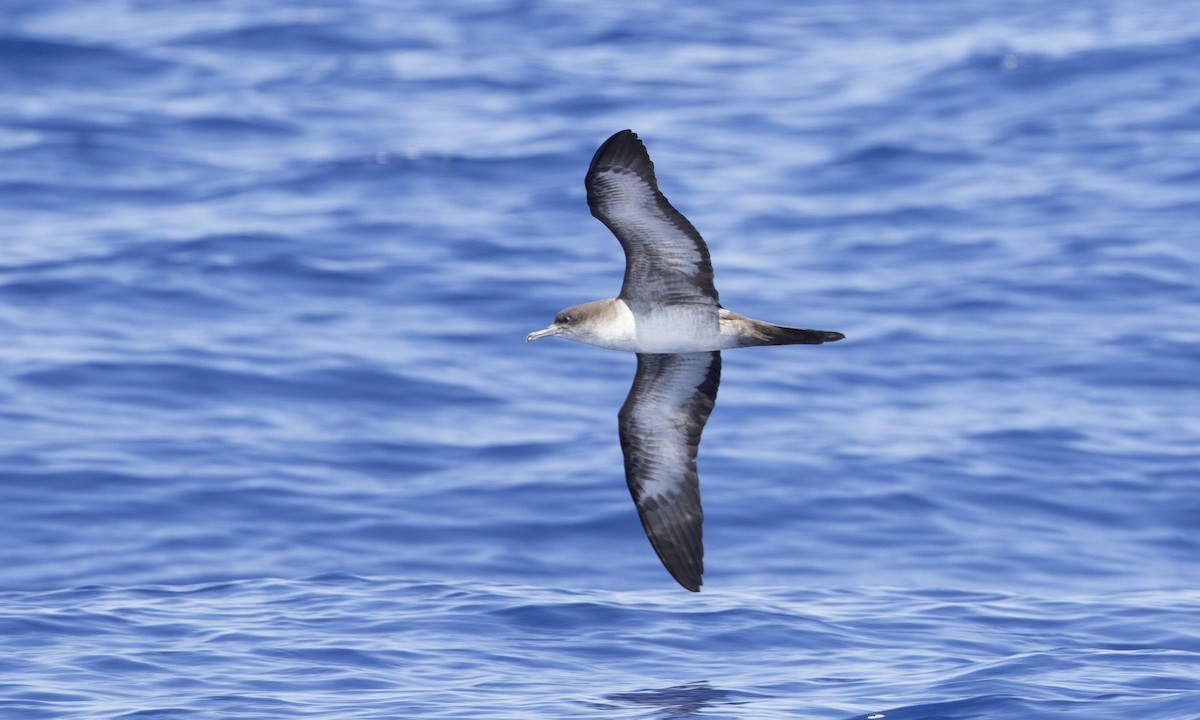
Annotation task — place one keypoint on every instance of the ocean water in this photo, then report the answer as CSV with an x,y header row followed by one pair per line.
x,y
272,445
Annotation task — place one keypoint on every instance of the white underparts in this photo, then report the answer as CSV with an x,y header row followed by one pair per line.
x,y
680,328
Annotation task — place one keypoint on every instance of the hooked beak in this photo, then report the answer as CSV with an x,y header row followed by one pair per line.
x,y
552,330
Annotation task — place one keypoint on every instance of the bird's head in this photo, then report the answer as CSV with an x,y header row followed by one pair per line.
x,y
577,322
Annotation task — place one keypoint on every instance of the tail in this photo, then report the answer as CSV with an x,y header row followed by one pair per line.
x,y
744,332
768,334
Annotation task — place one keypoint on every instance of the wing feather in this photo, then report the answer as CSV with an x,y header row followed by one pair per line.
x,y
660,426
666,260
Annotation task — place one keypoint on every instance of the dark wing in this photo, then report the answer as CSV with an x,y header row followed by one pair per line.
x,y
666,260
660,424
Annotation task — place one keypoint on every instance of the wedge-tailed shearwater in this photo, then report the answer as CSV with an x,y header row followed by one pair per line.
x,y
669,314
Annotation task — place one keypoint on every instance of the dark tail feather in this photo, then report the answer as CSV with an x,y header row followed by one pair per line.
x,y
780,335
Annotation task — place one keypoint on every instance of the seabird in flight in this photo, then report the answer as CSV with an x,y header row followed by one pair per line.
x,y
669,314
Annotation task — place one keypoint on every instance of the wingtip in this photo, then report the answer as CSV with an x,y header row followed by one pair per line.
x,y
689,576
686,569
621,148
687,580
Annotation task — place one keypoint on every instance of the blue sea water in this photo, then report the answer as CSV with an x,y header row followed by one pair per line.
x,y
271,444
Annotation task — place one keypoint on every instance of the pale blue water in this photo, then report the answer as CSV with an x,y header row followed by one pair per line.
x,y
271,444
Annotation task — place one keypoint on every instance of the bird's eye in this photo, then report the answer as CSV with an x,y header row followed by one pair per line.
x,y
566,319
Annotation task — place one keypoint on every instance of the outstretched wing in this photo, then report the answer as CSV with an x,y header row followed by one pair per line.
x,y
660,424
666,260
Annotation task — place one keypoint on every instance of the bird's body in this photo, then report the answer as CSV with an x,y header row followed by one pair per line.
x,y
668,312
615,325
